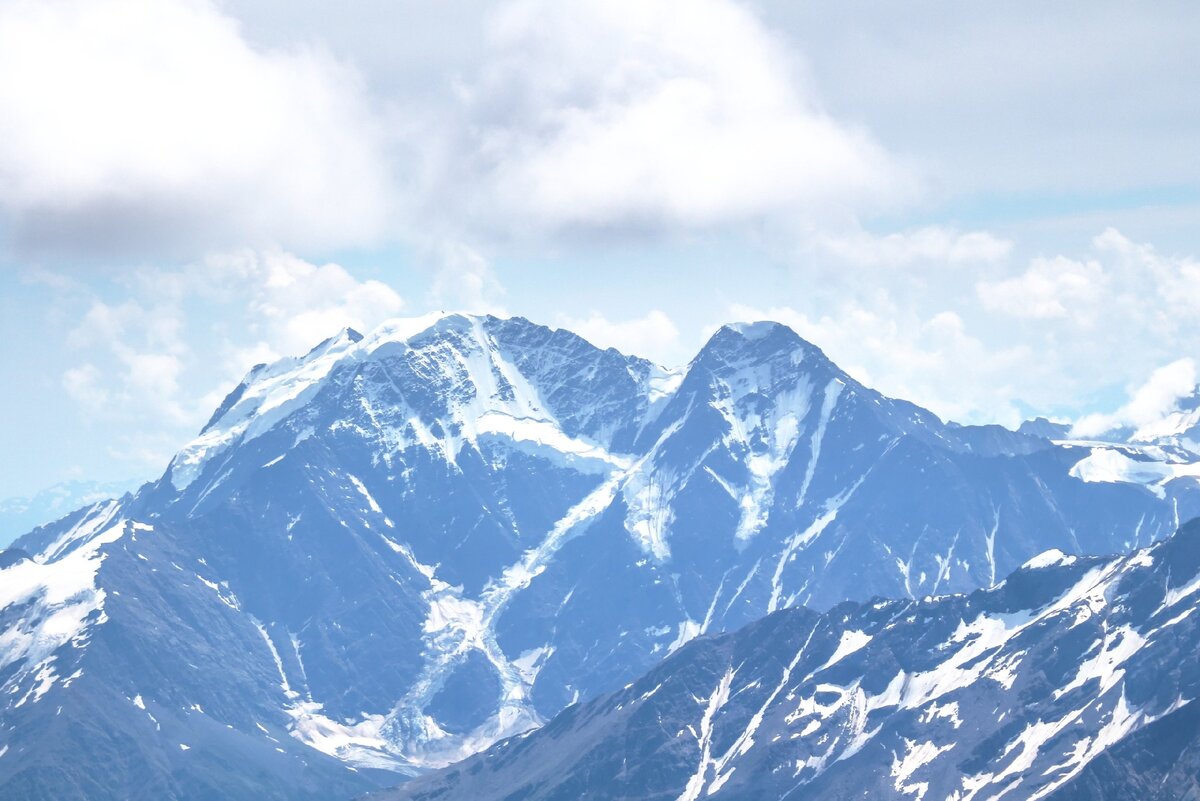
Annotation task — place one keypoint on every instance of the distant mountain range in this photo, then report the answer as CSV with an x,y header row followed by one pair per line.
x,y
388,554
18,515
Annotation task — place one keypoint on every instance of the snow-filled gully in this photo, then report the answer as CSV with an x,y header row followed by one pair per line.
x,y
458,626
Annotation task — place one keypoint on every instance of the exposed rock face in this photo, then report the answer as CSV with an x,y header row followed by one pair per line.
x,y
1073,679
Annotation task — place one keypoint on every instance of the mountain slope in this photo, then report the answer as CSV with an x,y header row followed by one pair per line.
x,y
1158,763
1074,678
395,550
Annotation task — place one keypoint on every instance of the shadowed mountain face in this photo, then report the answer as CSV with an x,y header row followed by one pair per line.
x,y
1075,678
399,548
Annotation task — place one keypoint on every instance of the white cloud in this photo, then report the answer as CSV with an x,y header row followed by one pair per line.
x,y
1164,288
1124,283
933,245
291,304
1050,288
147,124
83,384
142,360
462,278
1148,403
653,336
140,345
157,127
630,114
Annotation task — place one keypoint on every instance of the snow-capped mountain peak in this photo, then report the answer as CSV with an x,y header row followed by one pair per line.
x,y
463,386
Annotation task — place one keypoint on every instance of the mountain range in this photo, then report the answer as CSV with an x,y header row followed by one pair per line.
x,y
394,551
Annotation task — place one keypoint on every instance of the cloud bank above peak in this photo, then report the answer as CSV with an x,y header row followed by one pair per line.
x,y
602,115
164,128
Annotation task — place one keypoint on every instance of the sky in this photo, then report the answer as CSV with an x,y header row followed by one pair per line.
x,y
988,209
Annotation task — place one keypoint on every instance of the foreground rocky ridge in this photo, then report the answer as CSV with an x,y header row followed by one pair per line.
x,y
1074,678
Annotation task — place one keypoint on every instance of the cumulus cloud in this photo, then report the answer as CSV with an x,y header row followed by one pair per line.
x,y
161,128
140,346
83,384
1122,278
462,278
933,244
1050,288
1148,403
653,336
158,126
643,115
141,360
291,304
152,124
1163,286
